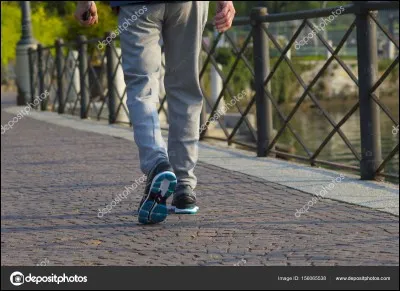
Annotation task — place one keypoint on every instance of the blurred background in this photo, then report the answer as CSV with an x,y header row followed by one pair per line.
x,y
335,89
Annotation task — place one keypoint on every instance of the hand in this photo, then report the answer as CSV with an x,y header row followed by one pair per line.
x,y
82,8
225,14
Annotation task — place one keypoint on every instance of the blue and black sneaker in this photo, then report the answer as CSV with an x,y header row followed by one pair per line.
x,y
160,185
184,201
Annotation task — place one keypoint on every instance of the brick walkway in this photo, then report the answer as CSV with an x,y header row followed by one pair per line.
x,y
54,179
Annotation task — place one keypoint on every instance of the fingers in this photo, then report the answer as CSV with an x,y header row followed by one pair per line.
x,y
223,12
225,23
224,18
79,17
93,18
96,20
93,13
88,22
224,27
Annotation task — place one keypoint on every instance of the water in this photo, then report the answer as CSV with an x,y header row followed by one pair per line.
x,y
313,128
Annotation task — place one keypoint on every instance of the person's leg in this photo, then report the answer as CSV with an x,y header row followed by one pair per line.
x,y
141,62
182,35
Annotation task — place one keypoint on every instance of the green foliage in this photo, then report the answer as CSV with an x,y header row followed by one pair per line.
x,y
60,8
54,19
243,8
10,30
47,27
241,78
284,83
223,56
290,6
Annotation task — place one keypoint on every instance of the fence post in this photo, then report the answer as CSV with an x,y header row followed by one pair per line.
x,y
203,113
371,152
261,69
111,70
59,68
31,74
203,118
83,75
43,103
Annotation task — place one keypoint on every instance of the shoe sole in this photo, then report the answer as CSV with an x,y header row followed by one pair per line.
x,y
173,209
154,209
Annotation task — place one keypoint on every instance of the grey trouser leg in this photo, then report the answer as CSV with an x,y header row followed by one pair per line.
x,y
183,30
141,62
181,26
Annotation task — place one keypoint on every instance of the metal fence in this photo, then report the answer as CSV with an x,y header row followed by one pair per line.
x,y
84,80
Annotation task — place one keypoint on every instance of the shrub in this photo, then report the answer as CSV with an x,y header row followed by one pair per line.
x,y
10,31
46,28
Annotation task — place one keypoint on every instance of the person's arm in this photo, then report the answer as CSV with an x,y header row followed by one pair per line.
x,y
84,6
225,14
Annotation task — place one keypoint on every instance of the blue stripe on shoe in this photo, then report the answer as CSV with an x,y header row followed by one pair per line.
x,y
193,210
144,212
154,209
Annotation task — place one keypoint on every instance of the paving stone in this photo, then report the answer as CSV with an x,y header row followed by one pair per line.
x,y
54,179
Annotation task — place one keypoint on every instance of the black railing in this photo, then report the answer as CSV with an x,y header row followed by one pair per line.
x,y
99,95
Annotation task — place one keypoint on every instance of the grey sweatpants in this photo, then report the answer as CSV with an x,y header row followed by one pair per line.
x,y
181,26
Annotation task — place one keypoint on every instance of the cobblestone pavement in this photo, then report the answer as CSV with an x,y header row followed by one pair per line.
x,y
54,180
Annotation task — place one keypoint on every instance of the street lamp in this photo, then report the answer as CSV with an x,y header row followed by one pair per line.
x,y
22,61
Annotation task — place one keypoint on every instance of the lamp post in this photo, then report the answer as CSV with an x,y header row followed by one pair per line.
x,y
22,61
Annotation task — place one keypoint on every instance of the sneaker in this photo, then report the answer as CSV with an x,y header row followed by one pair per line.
x,y
184,201
160,185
